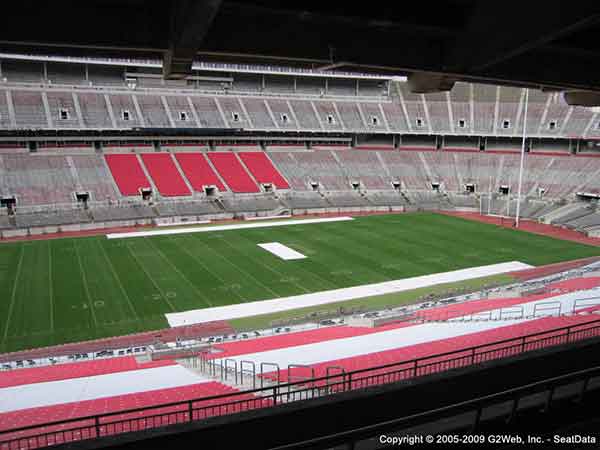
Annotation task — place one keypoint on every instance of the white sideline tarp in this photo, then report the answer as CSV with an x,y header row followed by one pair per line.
x,y
337,295
207,229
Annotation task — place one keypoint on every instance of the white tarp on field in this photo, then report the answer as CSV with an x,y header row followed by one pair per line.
x,y
338,295
207,229
282,251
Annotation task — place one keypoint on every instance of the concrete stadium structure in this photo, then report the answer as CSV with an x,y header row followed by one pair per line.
x,y
88,144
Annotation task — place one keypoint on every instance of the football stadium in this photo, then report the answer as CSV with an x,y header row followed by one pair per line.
x,y
225,237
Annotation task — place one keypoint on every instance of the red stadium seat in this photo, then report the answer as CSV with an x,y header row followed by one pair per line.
x,y
263,169
198,172
233,172
75,370
166,177
128,173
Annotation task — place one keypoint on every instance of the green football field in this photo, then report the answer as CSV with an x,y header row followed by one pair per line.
x,y
67,290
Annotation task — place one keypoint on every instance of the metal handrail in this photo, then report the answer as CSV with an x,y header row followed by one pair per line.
x,y
456,408
349,379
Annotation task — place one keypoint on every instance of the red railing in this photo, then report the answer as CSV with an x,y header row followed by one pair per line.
x,y
89,427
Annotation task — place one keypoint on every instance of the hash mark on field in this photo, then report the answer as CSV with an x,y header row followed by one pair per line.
x,y
194,287
341,272
85,283
393,266
151,279
14,292
435,259
116,275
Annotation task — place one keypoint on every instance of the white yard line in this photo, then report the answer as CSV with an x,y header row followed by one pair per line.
x,y
337,295
224,227
14,292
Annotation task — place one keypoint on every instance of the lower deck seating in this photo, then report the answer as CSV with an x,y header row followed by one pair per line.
x,y
37,179
122,213
389,198
454,344
305,200
233,172
263,170
187,208
250,204
531,208
429,199
587,221
93,177
5,222
464,201
349,199
166,177
52,218
74,370
448,328
143,420
51,181
198,172
581,211
128,173
112,404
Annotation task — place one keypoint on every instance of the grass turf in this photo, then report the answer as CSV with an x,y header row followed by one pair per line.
x,y
68,290
374,302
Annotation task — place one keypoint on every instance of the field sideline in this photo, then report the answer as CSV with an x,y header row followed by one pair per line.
x,y
67,290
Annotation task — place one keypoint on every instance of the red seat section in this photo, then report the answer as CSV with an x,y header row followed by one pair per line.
x,y
107,405
453,348
128,173
75,370
263,169
166,177
198,171
233,172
